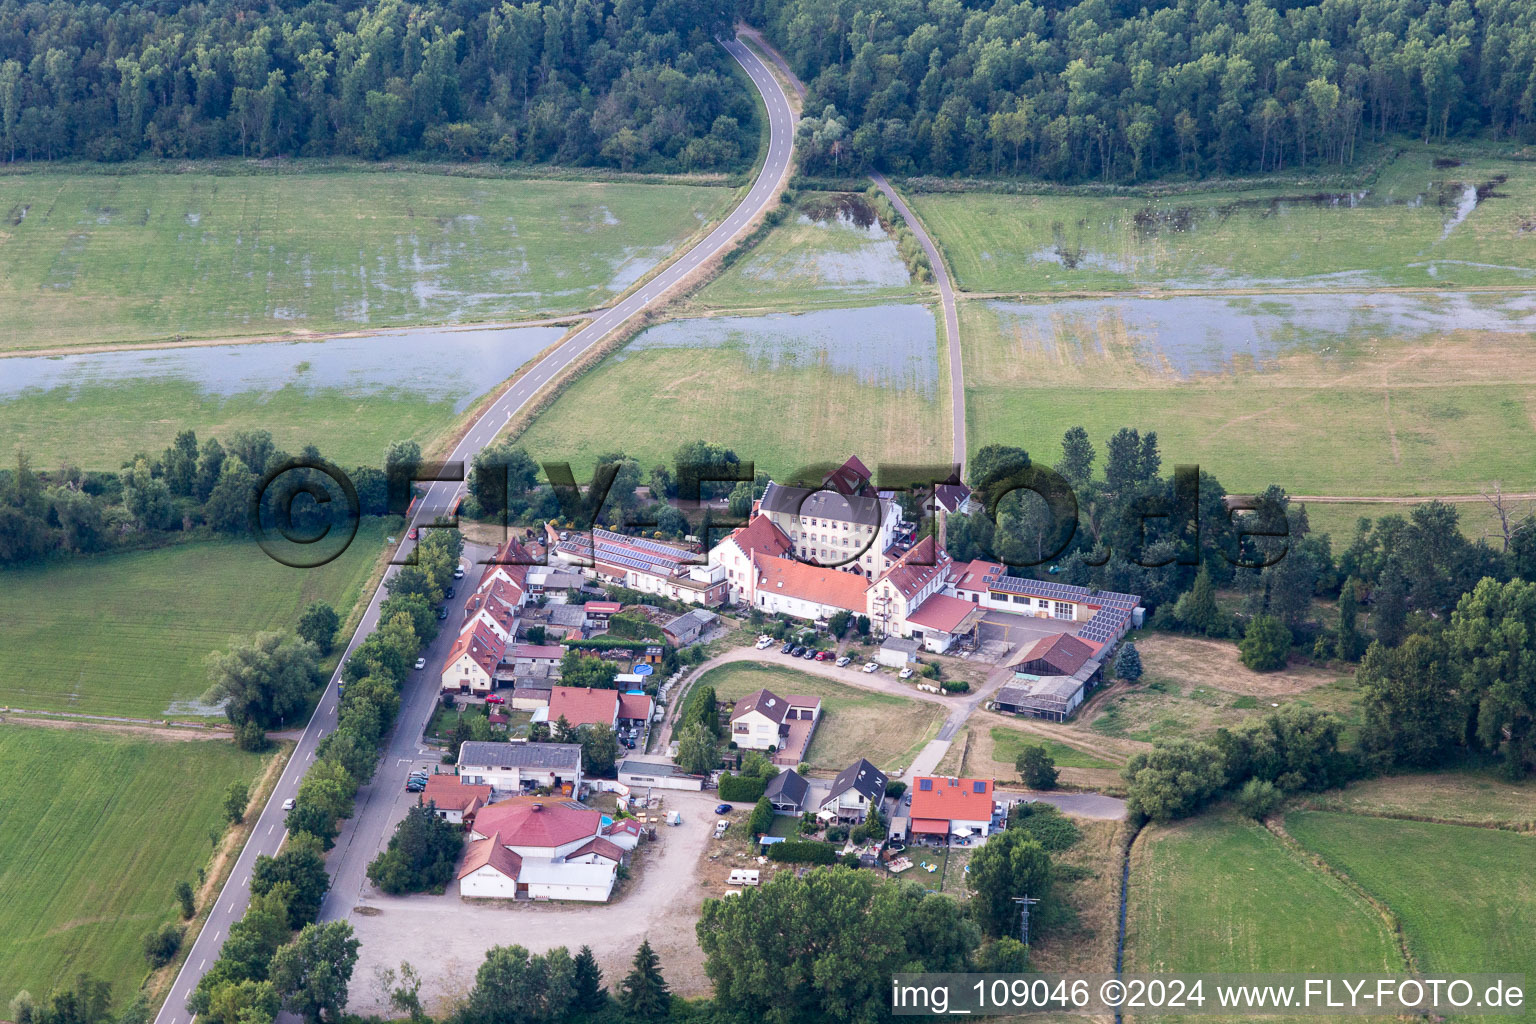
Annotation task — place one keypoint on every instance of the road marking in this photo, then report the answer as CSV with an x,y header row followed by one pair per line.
x,y
203,964
270,828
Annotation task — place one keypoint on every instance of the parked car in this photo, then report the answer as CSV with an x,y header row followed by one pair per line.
x,y
288,804
870,666
415,532
808,654
415,787
766,642
495,698
905,673
442,611
843,661
724,809
796,650
823,655
458,573
421,663
788,648
449,592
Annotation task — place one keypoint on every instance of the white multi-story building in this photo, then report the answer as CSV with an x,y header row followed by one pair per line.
x,y
841,524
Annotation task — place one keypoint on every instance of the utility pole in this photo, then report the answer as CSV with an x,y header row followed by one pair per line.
x,y
1024,902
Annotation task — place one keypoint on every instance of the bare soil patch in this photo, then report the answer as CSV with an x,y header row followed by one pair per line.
x,y
1192,661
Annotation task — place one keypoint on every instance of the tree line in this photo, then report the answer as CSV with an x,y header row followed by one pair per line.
x,y
576,82
1122,92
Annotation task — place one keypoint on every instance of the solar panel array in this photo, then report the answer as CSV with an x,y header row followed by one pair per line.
x,y
1062,592
1105,625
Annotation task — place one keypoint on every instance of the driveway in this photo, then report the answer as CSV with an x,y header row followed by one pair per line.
x,y
446,939
1020,630
1083,805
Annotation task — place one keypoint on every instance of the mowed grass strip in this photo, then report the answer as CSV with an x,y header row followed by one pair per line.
x,y
1221,894
1008,743
855,723
98,829
94,258
127,634
1253,238
1466,897
1474,798
646,401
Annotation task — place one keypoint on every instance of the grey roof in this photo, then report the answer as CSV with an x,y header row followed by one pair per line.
x,y
660,769
821,504
861,776
690,624
901,643
787,787
1050,693
566,614
478,753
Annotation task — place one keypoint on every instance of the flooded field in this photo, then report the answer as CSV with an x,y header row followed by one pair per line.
x,y
891,346
1421,223
830,248
1192,336
349,396
91,259
782,390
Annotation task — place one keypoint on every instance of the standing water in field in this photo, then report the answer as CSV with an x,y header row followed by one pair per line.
x,y
894,346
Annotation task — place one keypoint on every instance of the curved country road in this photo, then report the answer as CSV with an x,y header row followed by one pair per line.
x,y
420,689
935,259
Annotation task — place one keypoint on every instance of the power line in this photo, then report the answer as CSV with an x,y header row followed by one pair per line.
x,y
1024,902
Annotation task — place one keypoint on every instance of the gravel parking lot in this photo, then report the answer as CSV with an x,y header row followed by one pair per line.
x,y
446,939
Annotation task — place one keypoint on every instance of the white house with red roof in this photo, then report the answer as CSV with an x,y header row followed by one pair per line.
x,y
471,664
763,720
542,849
945,807
453,799
909,600
734,554
579,706
792,587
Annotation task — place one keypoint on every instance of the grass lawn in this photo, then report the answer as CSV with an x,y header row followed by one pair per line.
x,y
99,258
855,723
1434,395
126,634
1466,896
822,253
88,865
783,391
1221,894
1008,743
1396,234
1477,798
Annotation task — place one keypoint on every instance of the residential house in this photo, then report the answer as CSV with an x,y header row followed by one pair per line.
x,y
787,792
688,627
599,612
580,706
791,587
452,798
920,573
762,720
472,662
540,849
656,773
841,524
857,789
521,767
734,553
945,807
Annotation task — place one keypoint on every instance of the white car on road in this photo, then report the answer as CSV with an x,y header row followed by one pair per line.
x,y
870,666
421,663
288,804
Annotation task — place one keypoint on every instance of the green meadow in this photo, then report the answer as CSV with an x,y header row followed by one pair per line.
x,y
127,634
99,828
91,259
1404,229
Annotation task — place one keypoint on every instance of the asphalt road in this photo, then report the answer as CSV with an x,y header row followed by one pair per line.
x,y
268,833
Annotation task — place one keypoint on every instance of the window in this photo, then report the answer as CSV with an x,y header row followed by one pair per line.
x,y
925,785
1063,610
978,787
1016,599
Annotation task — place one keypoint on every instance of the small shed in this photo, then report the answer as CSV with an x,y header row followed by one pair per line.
x,y
898,652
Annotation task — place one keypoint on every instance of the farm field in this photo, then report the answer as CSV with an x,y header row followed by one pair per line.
x,y
855,723
1477,798
351,397
1267,392
98,258
830,249
1219,893
127,634
1416,225
1481,923
783,391
88,872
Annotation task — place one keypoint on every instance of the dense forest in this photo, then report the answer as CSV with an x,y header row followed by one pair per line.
x,y
1118,91
618,83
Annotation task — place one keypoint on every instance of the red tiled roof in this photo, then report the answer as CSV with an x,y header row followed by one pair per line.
x,y
930,826
541,824
452,795
603,607
951,496
483,647
952,799
1063,652
972,575
490,851
601,847
761,535
629,825
849,478
832,587
579,705
941,612
634,705
917,568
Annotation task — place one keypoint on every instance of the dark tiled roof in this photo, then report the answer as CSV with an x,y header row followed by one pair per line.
x,y
787,787
861,776
520,755
765,702
821,504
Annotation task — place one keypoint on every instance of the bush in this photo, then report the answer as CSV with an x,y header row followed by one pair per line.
x,y
741,789
762,818
1044,823
1036,767
850,860
955,686
1258,799
1266,644
837,834
1174,779
896,790
162,944
798,851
